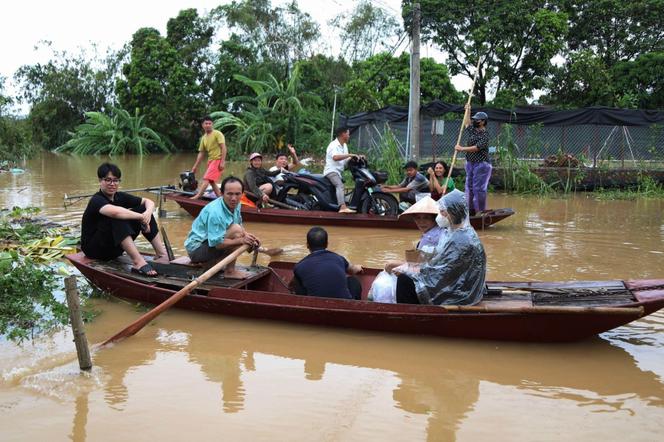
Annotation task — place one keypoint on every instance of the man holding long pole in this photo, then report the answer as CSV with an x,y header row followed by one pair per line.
x,y
478,167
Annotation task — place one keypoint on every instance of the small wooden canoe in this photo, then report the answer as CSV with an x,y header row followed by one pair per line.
x,y
317,217
517,311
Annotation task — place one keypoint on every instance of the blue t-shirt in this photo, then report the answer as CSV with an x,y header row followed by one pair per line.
x,y
211,224
323,273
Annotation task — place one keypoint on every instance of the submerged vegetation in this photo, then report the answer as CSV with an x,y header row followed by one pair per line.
x,y
31,280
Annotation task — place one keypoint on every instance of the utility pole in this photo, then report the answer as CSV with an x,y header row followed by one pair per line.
x,y
414,104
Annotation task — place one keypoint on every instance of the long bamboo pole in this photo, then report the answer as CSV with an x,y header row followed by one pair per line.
x,y
461,129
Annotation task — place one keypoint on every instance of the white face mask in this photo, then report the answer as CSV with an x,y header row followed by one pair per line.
x,y
442,221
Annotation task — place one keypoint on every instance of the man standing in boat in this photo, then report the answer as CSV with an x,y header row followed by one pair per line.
x,y
336,158
478,167
214,143
112,221
218,231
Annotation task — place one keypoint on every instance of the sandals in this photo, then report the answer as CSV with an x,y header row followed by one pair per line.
x,y
145,271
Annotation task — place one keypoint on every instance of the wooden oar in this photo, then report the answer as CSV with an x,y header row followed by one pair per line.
x,y
66,198
141,322
461,129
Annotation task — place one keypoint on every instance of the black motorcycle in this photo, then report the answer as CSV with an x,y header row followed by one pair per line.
x,y
306,191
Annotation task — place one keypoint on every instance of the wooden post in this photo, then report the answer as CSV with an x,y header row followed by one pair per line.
x,y
76,319
161,213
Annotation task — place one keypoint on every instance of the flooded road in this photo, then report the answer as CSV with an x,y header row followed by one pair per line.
x,y
204,377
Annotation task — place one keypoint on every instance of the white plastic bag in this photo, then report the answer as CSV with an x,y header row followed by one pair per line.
x,y
384,288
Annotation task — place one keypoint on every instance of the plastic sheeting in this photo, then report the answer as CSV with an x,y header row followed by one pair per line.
x,y
598,115
456,274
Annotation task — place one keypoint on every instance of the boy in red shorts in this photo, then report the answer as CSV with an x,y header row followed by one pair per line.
x,y
214,144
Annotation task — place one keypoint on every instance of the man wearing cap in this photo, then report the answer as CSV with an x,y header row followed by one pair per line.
x,y
413,183
214,143
478,167
336,157
257,180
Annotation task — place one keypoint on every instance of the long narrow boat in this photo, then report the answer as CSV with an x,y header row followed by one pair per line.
x,y
517,311
316,217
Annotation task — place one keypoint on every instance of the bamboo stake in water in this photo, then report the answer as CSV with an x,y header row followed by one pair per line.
x,y
80,340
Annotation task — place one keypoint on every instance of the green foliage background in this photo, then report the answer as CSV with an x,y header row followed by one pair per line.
x,y
612,52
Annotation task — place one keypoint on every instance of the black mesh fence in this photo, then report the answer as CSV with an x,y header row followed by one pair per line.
x,y
592,143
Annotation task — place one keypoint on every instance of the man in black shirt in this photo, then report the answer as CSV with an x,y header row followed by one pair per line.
x,y
324,273
478,167
112,220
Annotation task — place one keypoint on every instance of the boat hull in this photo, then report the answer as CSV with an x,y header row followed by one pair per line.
x,y
268,298
316,217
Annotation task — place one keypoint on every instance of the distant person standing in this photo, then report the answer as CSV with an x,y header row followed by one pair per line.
x,y
336,158
478,167
214,143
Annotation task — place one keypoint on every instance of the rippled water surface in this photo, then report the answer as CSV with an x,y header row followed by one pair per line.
x,y
203,377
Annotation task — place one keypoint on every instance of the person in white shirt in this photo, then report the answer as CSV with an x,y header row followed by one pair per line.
x,y
336,158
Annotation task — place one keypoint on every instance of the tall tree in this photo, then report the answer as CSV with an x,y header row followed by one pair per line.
x,y
515,40
613,56
60,91
191,35
282,35
615,30
365,31
157,81
384,80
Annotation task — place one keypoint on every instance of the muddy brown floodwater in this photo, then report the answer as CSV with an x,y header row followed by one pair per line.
x,y
191,376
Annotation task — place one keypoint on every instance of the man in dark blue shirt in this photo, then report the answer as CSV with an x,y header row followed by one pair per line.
x,y
324,273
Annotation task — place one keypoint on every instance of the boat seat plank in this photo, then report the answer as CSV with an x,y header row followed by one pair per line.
x,y
178,275
560,285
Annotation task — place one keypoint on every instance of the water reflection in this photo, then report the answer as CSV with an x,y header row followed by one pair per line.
x,y
436,379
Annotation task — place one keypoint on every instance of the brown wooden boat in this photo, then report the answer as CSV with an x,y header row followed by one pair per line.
x,y
518,311
317,217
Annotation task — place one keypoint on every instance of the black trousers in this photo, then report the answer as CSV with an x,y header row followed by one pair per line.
x,y
406,293
352,282
105,244
357,194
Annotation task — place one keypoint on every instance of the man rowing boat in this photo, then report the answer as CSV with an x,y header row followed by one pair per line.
x,y
218,231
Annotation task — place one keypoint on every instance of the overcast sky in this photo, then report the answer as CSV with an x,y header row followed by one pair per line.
x,y
70,24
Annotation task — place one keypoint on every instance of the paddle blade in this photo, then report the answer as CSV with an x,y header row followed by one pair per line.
x,y
141,322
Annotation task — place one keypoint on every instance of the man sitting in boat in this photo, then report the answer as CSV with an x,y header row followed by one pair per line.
x,y
413,183
217,231
324,273
257,180
424,214
281,164
457,271
112,221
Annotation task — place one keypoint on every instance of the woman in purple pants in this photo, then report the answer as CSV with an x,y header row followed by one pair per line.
x,y
478,167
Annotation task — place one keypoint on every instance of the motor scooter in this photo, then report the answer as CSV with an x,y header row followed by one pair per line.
x,y
315,192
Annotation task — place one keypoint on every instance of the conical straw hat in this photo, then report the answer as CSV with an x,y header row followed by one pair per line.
x,y
425,205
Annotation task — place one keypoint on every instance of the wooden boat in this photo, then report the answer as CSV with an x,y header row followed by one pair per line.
x,y
518,311
316,217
